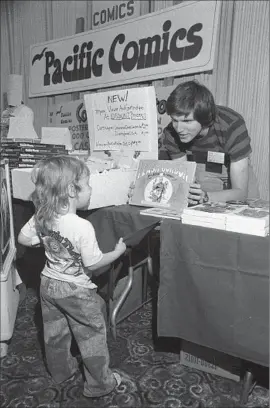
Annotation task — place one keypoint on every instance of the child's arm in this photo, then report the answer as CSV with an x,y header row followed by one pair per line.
x,y
28,235
110,257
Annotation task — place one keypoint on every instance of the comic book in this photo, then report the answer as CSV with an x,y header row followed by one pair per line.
x,y
249,217
163,184
161,213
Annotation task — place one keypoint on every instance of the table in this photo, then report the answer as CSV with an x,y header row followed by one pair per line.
x,y
214,285
214,289
112,223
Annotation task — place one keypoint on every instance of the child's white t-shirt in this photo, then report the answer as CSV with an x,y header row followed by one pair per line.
x,y
70,247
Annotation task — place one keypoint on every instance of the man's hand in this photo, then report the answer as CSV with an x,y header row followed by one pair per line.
x,y
131,190
195,194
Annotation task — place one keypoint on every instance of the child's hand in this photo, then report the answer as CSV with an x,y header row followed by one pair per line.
x,y
131,190
120,246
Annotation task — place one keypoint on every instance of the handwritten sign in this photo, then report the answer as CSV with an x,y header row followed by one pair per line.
x,y
125,119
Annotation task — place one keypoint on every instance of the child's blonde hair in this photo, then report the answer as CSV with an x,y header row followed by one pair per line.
x,y
52,178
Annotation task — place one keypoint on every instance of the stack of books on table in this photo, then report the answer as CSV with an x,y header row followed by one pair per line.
x,y
23,154
211,215
250,218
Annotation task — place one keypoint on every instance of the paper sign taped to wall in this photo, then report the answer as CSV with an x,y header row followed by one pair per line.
x,y
56,135
123,120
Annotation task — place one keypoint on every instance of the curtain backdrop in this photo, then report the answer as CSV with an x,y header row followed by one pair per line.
x,y
240,78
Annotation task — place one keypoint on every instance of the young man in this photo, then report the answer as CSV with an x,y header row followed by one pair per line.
x,y
215,137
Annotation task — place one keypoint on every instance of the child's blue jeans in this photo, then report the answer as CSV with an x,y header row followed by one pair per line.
x,y
68,308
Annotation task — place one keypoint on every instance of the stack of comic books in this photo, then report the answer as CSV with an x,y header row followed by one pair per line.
x,y
162,185
211,215
250,217
23,154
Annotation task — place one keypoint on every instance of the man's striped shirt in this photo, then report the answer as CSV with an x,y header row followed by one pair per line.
x,y
228,134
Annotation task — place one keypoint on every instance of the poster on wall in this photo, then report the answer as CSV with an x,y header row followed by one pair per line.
x,y
7,242
113,11
71,115
175,41
162,94
123,119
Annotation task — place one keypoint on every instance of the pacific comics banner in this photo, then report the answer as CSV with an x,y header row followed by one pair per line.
x,y
175,41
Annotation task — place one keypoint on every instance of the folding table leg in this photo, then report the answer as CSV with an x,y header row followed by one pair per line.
x,y
121,301
246,388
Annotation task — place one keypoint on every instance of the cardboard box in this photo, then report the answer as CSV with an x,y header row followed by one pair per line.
x,y
108,188
210,361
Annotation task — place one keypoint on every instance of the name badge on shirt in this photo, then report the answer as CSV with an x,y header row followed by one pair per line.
x,y
215,157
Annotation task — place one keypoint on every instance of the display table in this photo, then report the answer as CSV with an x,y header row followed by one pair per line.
x,y
214,289
214,285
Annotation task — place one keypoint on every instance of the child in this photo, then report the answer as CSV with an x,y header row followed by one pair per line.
x,y
70,304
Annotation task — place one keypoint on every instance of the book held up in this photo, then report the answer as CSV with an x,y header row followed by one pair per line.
x,y
163,184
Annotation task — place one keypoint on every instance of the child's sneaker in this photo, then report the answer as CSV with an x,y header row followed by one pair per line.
x,y
118,380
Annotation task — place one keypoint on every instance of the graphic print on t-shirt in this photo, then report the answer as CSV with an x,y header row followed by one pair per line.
x,y
61,256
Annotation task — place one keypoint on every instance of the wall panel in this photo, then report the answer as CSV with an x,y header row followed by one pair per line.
x,y
248,88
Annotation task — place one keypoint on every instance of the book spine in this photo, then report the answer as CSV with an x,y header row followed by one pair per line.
x,y
36,157
28,160
41,146
24,165
42,151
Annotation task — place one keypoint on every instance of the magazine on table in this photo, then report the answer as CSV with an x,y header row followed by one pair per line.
x,y
161,213
163,184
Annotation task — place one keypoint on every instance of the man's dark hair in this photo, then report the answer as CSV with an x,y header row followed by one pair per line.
x,y
192,97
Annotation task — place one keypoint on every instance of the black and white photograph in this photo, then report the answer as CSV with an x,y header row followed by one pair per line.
x,y
137,138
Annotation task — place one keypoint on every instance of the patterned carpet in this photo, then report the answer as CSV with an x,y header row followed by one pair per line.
x,y
152,375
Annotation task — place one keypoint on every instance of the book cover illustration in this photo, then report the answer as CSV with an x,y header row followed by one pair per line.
x,y
258,203
253,213
249,219
163,183
212,209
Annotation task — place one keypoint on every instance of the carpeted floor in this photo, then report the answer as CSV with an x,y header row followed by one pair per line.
x,y
152,377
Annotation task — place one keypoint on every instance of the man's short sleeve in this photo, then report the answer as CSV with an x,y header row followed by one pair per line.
x,y
90,251
168,148
238,141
